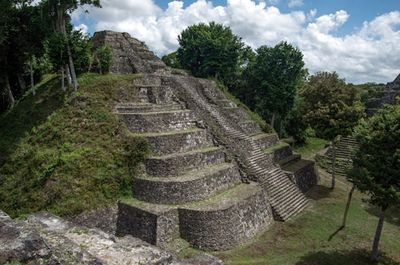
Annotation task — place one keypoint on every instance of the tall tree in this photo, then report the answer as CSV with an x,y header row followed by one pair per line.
x,y
210,50
275,76
60,10
376,165
331,107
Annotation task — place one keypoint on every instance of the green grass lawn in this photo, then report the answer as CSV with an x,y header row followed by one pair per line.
x,y
311,147
310,238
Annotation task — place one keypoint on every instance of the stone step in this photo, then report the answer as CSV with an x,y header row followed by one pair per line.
x,y
193,186
236,113
159,121
226,220
225,103
178,141
146,107
79,245
179,163
279,151
265,140
289,160
303,174
156,224
279,188
250,127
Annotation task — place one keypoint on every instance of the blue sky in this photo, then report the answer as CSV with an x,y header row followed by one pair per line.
x,y
359,39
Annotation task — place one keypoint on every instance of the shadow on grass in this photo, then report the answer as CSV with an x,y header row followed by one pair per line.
x,y
351,257
319,192
392,215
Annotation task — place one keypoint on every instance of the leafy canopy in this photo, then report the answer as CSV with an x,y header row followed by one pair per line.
x,y
376,166
273,79
331,107
210,50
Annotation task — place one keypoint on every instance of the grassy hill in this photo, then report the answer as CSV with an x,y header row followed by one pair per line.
x,y
66,152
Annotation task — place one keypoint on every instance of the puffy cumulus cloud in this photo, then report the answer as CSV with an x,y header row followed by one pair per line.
x,y
370,54
83,28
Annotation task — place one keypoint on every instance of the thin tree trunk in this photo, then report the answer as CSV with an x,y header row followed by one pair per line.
x,y
72,68
21,82
62,79
375,246
333,167
68,74
346,211
31,74
9,92
273,120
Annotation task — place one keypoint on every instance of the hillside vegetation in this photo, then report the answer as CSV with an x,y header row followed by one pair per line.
x,y
67,152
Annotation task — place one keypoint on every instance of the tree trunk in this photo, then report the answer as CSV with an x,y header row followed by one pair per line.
x,y
72,69
9,92
333,167
273,120
375,246
31,74
21,82
68,74
346,211
62,79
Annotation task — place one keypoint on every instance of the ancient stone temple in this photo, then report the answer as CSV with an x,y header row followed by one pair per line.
x,y
214,178
388,96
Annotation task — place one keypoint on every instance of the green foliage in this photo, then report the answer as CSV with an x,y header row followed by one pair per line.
x,y
331,107
172,60
81,51
103,58
295,125
67,152
376,166
272,80
265,127
210,51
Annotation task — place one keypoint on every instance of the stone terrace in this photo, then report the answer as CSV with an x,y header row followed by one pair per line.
x,y
214,178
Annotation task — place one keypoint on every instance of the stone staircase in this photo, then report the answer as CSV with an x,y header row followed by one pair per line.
x,y
284,196
189,189
209,179
345,149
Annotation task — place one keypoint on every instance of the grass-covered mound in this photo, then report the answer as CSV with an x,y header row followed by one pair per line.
x,y
66,152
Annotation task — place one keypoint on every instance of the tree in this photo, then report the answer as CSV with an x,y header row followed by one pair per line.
x,y
274,78
210,51
172,60
295,125
331,107
376,165
59,10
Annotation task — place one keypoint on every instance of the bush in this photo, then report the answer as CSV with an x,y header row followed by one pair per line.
x,y
103,59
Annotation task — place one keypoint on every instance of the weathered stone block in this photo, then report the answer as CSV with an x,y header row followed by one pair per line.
x,y
152,223
193,186
159,121
226,220
176,164
179,141
250,127
265,140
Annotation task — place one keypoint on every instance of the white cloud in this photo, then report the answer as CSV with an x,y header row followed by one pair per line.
x,y
370,54
295,3
83,28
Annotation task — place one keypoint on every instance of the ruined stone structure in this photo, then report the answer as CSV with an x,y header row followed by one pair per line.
x,y
388,96
214,177
344,152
